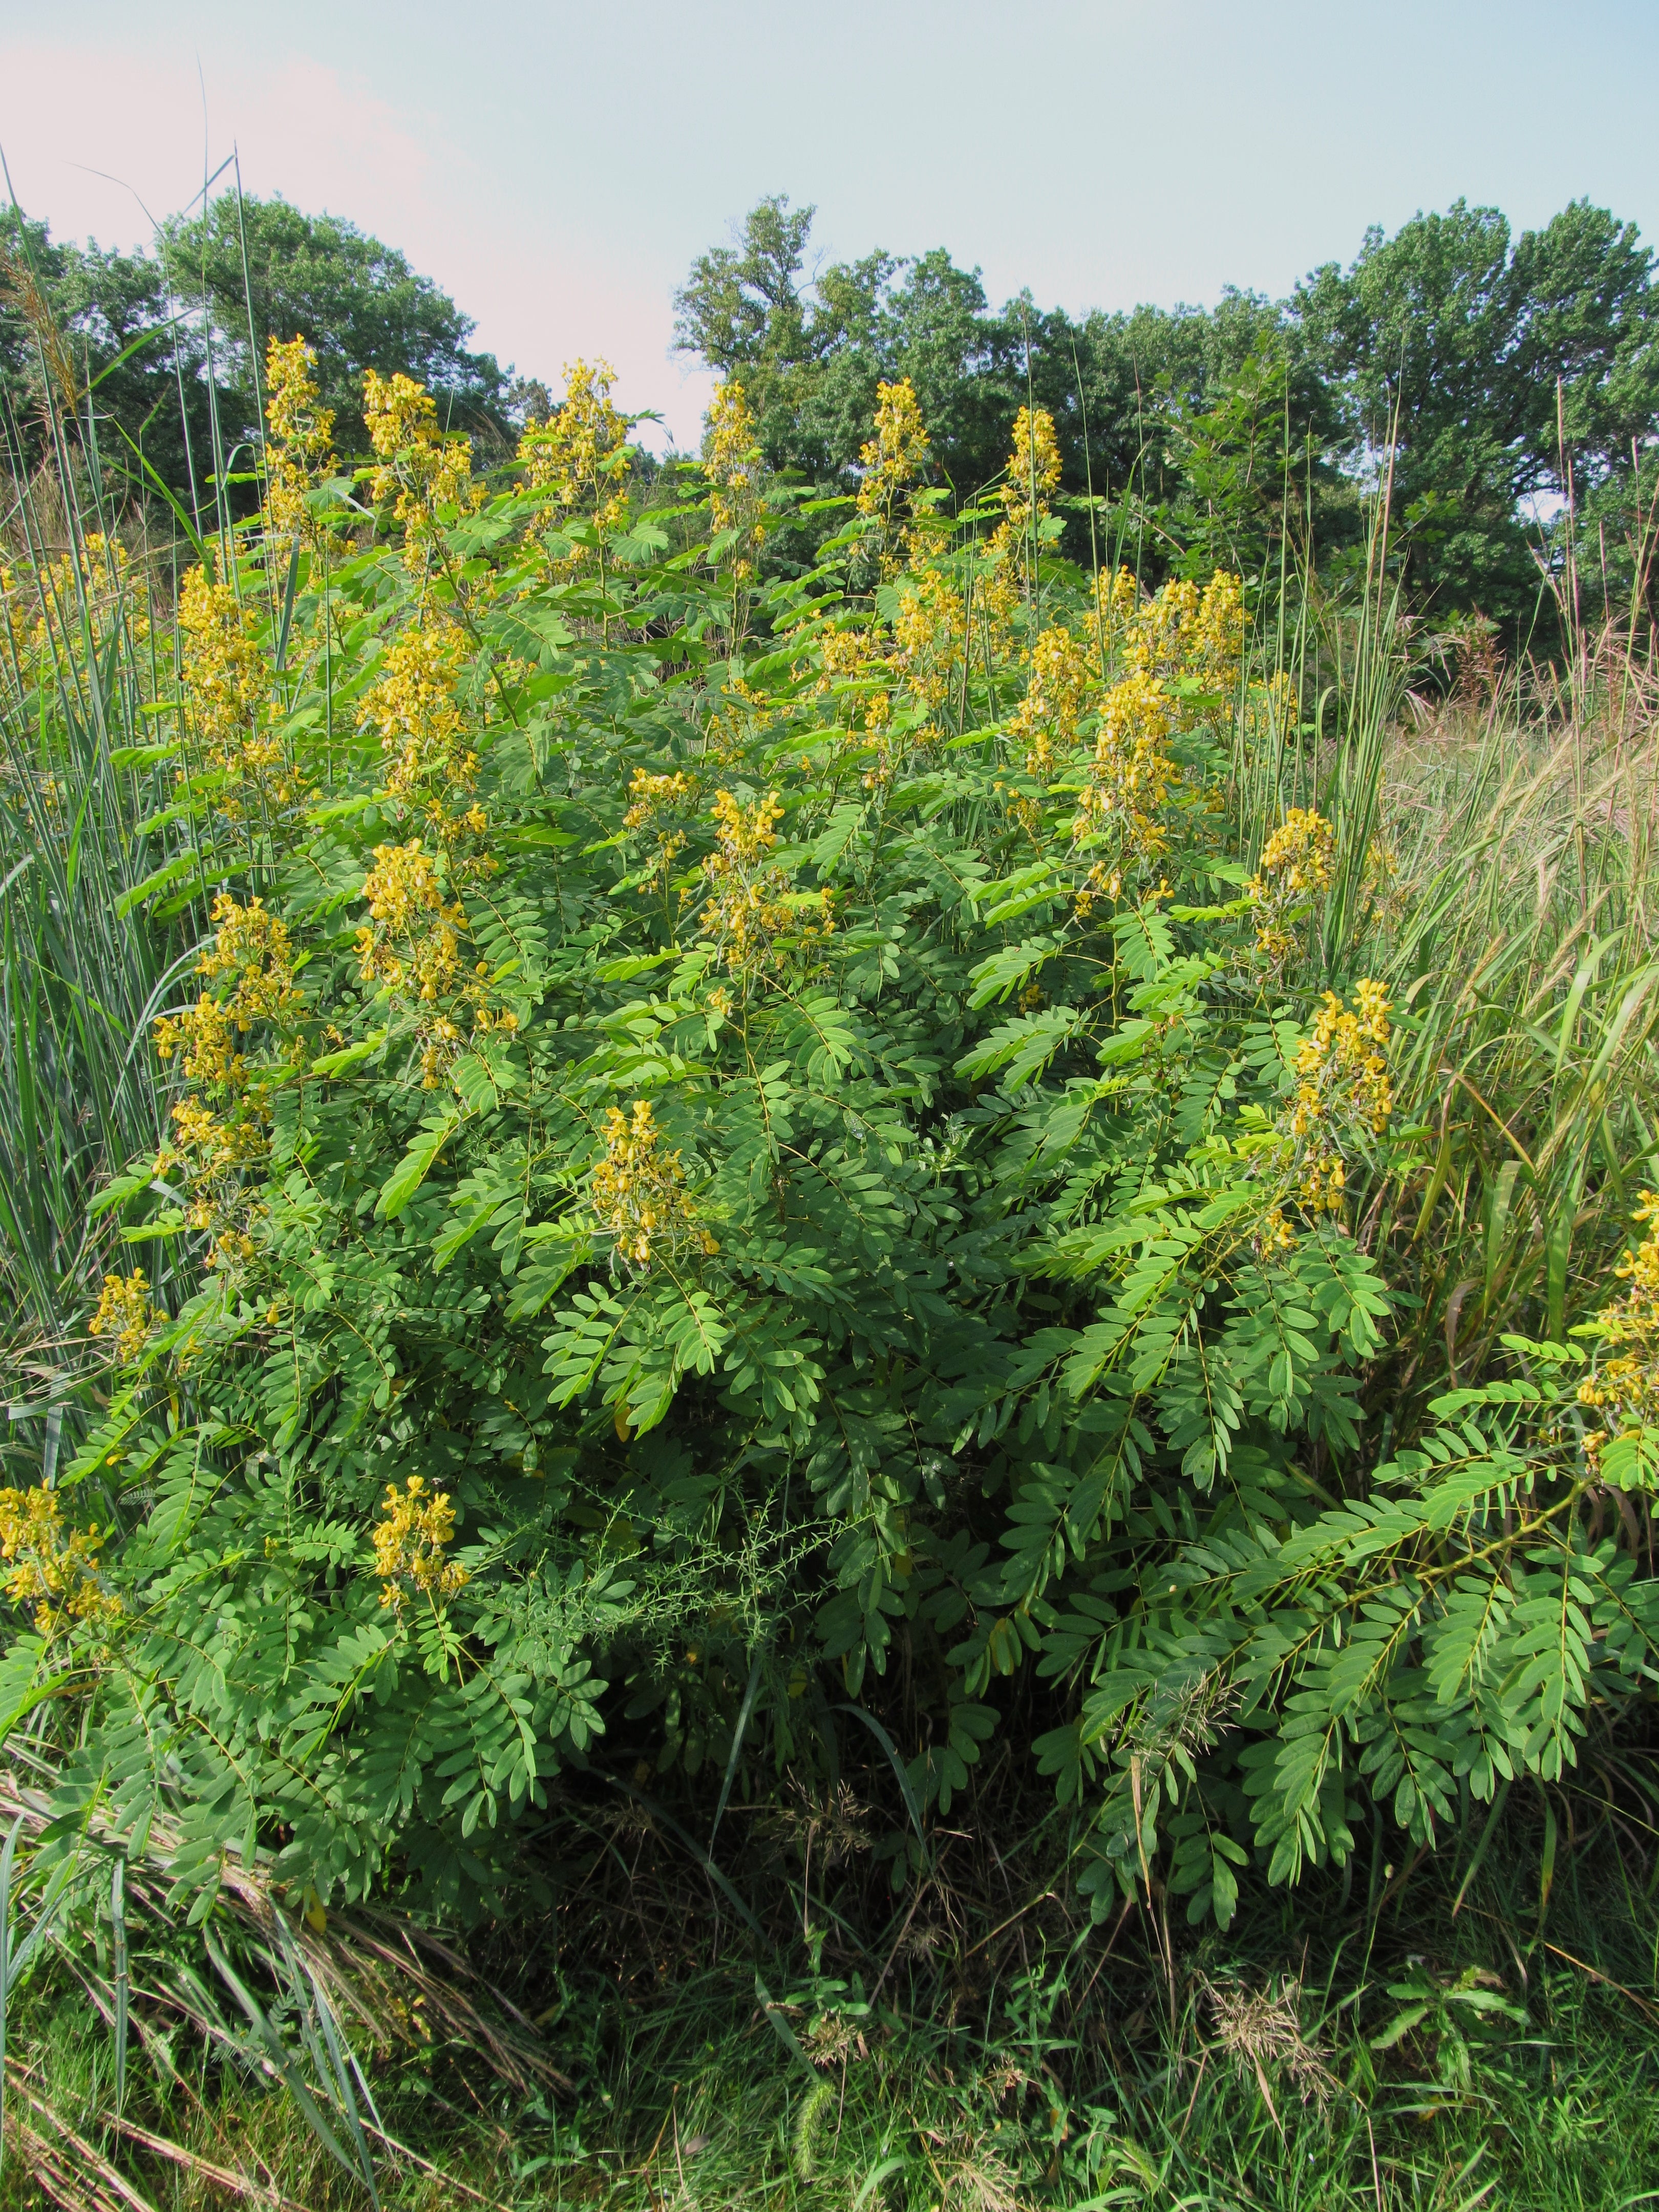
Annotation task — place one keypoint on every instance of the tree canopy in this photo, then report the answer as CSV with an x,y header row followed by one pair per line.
x,y
1492,367
153,335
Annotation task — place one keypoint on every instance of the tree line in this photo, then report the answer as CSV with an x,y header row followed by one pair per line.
x,y
1498,390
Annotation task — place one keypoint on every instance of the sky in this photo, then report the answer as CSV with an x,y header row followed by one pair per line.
x,y
556,167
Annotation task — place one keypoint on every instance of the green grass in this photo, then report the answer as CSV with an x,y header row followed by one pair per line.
x,y
1049,2074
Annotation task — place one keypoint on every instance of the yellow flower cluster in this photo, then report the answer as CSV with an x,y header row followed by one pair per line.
x,y
1342,1086
930,637
748,913
253,944
1128,780
414,943
639,1191
896,457
412,947
1182,633
125,1312
1033,475
228,687
581,453
418,465
412,708
416,1525
853,665
205,1035
1295,867
54,605
1063,676
1162,647
52,1568
299,447
654,797
731,462
893,460
1117,603
215,1146
1625,1389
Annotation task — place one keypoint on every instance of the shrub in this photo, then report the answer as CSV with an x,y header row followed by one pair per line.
x,y
750,1150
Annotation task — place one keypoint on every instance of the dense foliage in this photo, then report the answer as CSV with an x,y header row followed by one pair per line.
x,y
753,1151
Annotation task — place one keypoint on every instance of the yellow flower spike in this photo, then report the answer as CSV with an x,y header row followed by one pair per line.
x,y
930,637
125,1312
1128,781
1295,867
732,461
639,1192
408,1544
1342,1085
413,709
300,444
573,453
52,1567
892,460
1062,680
419,468
227,687
1625,1388
748,914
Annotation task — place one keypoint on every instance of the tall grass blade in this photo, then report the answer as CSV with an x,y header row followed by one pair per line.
x,y
280,2060
7,1857
117,1920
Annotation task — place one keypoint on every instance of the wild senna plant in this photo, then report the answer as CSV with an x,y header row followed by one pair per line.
x,y
747,1145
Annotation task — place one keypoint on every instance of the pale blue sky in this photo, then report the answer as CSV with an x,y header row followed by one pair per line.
x,y
556,167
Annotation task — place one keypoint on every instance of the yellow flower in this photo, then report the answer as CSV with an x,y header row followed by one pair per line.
x,y
1128,780
408,1544
893,460
1117,600
731,462
1182,633
227,688
1032,475
125,1312
49,607
1062,678
749,913
407,908
412,708
253,944
1216,647
52,1568
205,1036
930,637
412,947
1625,1388
425,471
897,454
1343,1086
639,1193
1295,867
579,454
299,447
653,797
